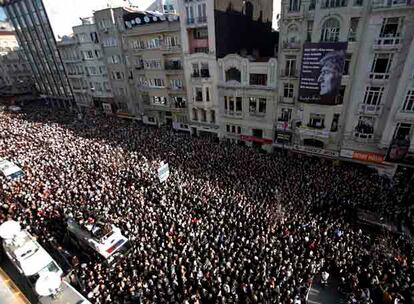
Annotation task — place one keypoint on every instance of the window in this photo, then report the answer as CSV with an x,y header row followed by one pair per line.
x,y
190,14
334,3
293,34
198,94
358,2
285,114
316,121
202,14
238,104
94,37
335,122
290,67
294,6
353,29
207,94
205,72
365,126
176,84
233,74
157,83
200,33
152,64
172,41
330,30
258,79
309,31
179,102
159,100
348,59
114,59
257,105
195,114
288,90
196,70
312,5
390,27
381,65
373,95
153,43
203,115
403,131
88,55
117,75
213,116
409,102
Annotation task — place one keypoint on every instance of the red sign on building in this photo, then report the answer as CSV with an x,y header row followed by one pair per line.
x,y
259,140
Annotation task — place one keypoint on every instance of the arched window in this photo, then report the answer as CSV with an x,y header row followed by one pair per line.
x,y
294,5
233,74
293,34
249,9
330,30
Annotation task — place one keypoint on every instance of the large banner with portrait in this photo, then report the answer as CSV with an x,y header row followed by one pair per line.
x,y
321,72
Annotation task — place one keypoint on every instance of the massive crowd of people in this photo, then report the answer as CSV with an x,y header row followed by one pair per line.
x,y
230,225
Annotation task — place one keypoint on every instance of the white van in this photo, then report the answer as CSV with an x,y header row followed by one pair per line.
x,y
105,239
10,170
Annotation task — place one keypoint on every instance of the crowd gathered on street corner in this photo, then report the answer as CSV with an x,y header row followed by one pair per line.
x,y
230,225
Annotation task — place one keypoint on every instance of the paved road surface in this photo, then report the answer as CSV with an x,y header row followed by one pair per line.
x,y
324,295
9,293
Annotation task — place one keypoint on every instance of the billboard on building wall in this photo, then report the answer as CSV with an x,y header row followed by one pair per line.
x,y
321,72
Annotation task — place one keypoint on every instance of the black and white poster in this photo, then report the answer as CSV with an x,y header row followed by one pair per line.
x,y
321,72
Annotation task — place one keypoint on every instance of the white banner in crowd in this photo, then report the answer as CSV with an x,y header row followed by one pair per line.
x,y
163,172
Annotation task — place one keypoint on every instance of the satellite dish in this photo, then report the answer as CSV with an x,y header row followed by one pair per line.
x,y
132,21
175,17
155,19
170,18
146,19
9,230
128,24
138,20
47,284
162,18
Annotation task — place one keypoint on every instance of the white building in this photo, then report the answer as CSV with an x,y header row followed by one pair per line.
x,y
376,78
211,30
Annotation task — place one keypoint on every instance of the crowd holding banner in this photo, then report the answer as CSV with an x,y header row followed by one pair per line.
x,y
230,225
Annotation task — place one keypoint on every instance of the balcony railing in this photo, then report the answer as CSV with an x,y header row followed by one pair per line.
x,y
202,19
173,66
203,73
334,3
388,41
284,99
290,73
390,3
233,113
370,109
291,45
305,131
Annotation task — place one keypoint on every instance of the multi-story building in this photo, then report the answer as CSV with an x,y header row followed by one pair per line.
x,y
16,81
163,6
36,39
155,67
110,27
8,41
95,75
211,30
370,54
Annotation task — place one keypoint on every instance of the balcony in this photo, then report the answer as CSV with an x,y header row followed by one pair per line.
x,y
363,137
288,100
202,19
334,3
173,66
388,42
203,73
306,131
379,76
283,125
233,113
291,45
381,4
290,74
370,109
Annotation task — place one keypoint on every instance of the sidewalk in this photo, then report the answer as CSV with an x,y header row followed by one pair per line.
x,y
9,293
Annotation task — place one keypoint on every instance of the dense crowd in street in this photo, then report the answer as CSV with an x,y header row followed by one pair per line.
x,y
230,225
